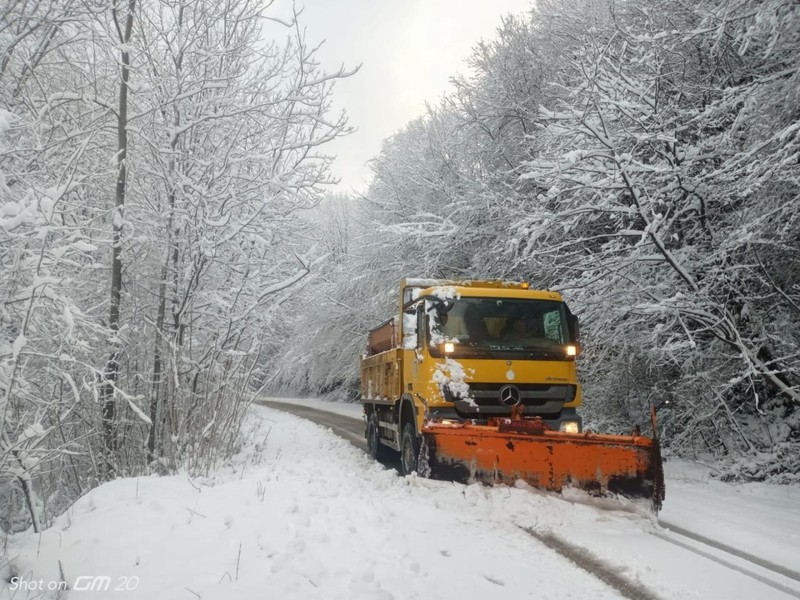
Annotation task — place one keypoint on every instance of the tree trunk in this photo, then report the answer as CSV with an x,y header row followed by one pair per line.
x,y
111,372
157,368
172,254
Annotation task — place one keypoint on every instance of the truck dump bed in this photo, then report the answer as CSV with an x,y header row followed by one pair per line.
x,y
381,371
381,375
381,338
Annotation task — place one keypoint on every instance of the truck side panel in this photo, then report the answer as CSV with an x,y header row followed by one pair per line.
x,y
381,376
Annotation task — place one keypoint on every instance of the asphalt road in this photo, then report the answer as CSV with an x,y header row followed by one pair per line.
x,y
345,427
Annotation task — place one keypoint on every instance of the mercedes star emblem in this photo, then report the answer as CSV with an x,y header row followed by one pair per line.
x,y
509,395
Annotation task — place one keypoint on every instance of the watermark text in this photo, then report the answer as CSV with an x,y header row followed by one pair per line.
x,y
83,583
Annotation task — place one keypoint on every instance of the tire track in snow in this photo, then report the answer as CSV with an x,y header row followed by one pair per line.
x,y
765,564
729,564
593,565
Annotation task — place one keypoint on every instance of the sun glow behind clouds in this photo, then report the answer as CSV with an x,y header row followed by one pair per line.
x,y
408,51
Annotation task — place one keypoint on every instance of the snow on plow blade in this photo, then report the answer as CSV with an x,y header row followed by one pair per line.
x,y
552,460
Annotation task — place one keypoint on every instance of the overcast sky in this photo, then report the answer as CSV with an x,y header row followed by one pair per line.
x,y
408,51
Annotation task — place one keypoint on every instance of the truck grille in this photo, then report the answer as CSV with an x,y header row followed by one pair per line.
x,y
537,398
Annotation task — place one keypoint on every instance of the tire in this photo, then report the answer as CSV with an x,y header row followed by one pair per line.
x,y
375,449
409,449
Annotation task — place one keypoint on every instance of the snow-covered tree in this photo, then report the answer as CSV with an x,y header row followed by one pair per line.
x,y
153,156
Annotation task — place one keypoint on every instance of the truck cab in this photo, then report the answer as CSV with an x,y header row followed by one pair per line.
x,y
483,350
470,351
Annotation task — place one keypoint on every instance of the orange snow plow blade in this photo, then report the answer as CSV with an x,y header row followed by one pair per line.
x,y
511,450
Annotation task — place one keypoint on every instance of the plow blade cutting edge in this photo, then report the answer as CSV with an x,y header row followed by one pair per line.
x,y
552,460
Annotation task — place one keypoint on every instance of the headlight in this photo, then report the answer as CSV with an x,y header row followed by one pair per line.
x,y
572,351
449,347
569,427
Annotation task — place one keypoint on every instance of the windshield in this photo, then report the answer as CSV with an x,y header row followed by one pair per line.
x,y
500,326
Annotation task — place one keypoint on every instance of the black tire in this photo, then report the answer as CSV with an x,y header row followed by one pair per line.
x,y
375,449
409,449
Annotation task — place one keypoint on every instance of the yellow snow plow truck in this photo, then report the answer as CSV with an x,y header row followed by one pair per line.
x,y
476,381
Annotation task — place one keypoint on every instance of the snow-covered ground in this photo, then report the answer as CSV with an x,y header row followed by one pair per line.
x,y
301,513
759,518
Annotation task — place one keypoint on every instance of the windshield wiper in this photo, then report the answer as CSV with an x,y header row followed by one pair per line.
x,y
478,351
543,354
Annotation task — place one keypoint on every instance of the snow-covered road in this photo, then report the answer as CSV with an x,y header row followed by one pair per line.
x,y
704,515
302,513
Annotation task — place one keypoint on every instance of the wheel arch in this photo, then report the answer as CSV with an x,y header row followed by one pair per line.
x,y
408,413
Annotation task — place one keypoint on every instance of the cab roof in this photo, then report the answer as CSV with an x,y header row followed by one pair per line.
x,y
478,288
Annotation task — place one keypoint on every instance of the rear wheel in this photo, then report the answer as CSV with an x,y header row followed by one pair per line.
x,y
409,449
376,450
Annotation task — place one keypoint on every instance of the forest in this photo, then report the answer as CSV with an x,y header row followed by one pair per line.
x,y
171,243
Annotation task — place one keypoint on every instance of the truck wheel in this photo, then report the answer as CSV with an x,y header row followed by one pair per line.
x,y
376,450
409,449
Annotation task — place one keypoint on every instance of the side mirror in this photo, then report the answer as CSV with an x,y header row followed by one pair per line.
x,y
574,329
